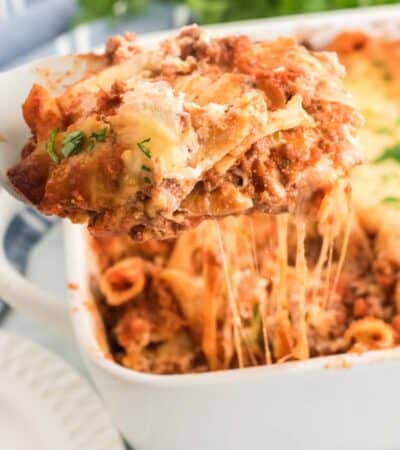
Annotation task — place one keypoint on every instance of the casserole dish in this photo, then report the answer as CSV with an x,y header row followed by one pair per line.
x,y
346,401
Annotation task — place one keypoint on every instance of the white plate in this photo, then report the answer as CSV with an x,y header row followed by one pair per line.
x,y
45,405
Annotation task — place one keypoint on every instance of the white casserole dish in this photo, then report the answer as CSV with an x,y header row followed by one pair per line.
x,y
347,402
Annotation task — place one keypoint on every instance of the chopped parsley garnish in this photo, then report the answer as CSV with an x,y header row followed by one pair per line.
x,y
147,180
50,146
89,145
390,153
100,136
147,169
71,143
144,148
394,201
96,136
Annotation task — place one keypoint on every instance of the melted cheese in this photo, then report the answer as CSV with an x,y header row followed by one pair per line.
x,y
293,115
378,101
152,111
237,323
301,349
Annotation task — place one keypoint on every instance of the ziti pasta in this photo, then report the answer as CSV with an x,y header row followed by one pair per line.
x,y
202,127
257,290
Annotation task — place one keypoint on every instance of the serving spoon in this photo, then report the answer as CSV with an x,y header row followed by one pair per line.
x,y
54,73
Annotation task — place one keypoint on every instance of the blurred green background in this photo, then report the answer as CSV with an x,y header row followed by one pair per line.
x,y
211,11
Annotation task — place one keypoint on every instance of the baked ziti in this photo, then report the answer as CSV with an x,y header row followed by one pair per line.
x,y
260,289
202,127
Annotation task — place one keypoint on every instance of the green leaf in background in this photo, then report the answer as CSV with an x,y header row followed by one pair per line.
x,y
249,9
94,9
211,11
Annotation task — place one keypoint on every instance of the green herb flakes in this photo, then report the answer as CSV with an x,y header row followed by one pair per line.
x,y
89,145
146,168
144,148
147,180
99,136
390,153
71,143
50,146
